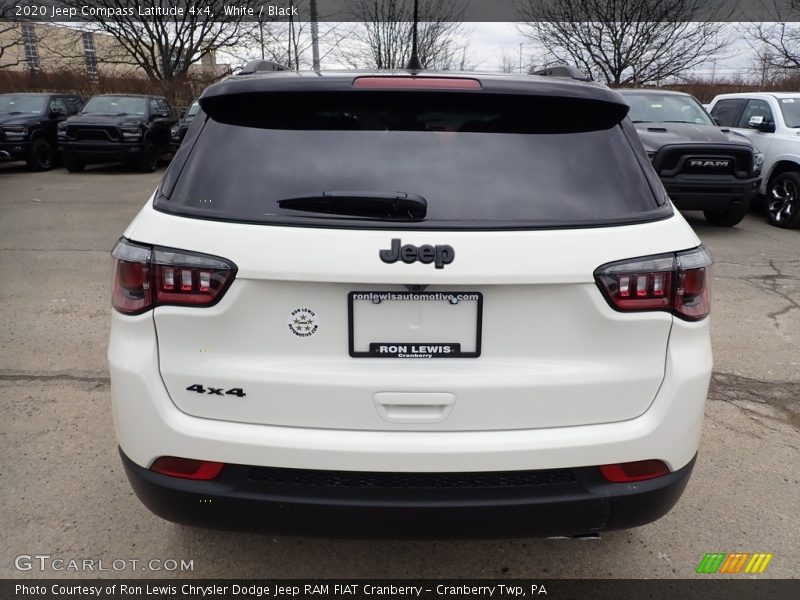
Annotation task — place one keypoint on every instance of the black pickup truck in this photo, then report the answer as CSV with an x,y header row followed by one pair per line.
x,y
117,128
182,126
702,166
28,124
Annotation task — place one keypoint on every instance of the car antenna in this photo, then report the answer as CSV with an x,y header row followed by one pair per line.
x,y
413,62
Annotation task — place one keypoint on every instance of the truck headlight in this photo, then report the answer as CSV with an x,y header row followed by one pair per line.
x,y
758,163
15,132
132,133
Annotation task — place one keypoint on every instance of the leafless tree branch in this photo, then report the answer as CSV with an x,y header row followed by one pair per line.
x,y
382,36
624,42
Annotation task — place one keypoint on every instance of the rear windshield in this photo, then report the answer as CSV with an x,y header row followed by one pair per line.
x,y
476,164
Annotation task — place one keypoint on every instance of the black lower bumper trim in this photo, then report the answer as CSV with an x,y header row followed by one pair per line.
x,y
692,194
14,150
529,503
102,152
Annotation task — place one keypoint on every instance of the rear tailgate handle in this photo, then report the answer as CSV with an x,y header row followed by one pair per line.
x,y
414,407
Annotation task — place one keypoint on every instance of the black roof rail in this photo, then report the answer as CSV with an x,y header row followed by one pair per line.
x,y
563,70
258,65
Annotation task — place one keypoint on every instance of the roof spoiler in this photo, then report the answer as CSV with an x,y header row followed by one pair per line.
x,y
259,66
563,70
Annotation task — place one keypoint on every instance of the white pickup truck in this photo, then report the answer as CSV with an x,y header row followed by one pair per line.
x,y
772,122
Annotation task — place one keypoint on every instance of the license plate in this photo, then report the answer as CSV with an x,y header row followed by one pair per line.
x,y
415,325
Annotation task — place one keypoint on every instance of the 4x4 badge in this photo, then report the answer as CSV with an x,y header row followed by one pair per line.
x,y
439,255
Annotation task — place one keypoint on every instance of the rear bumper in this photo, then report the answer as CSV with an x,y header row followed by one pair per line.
x,y
691,193
101,152
296,501
148,424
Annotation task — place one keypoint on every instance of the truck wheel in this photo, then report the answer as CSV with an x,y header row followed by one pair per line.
x,y
72,164
148,160
40,157
783,204
727,217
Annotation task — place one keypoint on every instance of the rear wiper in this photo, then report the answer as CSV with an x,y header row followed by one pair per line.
x,y
376,204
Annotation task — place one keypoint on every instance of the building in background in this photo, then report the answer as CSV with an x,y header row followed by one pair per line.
x,y
38,47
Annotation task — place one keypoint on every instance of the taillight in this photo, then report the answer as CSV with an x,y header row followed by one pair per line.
x,y
405,82
146,277
641,470
187,468
677,283
132,287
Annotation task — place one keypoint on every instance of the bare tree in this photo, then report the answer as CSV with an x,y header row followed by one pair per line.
x,y
382,36
165,46
511,62
624,42
763,67
290,42
10,35
777,43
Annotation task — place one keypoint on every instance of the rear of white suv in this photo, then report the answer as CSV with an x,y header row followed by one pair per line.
x,y
410,305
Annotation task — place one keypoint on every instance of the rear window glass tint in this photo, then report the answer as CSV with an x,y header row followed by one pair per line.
x,y
478,164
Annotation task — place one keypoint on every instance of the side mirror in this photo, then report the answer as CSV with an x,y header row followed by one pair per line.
x,y
716,121
761,124
57,114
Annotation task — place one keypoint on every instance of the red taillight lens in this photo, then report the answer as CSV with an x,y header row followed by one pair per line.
x,y
634,471
132,290
186,278
669,282
146,277
187,468
406,82
692,293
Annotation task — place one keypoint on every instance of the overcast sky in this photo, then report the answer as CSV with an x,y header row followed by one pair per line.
x,y
488,43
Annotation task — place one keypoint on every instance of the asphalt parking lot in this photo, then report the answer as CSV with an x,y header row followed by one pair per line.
x,y
64,493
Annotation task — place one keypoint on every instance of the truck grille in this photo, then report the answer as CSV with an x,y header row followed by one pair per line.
x,y
93,134
356,479
703,159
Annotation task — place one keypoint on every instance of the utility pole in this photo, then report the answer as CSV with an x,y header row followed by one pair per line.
x,y
314,36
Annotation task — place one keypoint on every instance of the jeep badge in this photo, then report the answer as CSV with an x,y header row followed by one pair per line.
x,y
439,255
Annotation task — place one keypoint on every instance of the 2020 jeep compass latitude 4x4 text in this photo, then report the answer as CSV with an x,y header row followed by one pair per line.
x,y
410,304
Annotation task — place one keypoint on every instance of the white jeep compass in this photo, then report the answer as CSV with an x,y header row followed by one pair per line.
x,y
410,304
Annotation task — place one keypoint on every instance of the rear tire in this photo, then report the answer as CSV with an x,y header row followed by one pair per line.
x,y
148,160
727,217
783,201
40,157
72,164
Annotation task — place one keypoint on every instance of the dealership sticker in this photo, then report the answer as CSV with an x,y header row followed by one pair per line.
x,y
303,322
